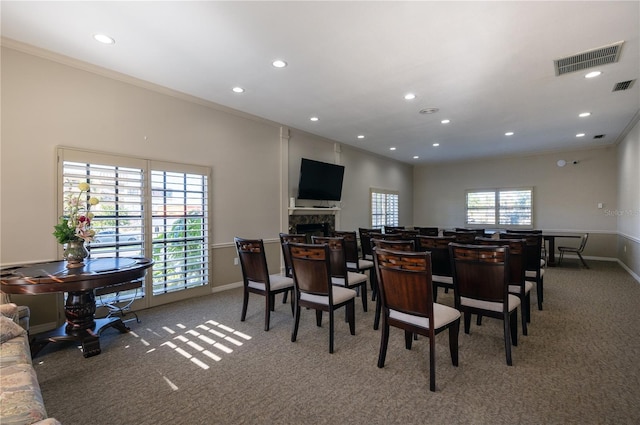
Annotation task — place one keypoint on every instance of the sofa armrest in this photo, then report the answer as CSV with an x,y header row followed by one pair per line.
x,y
9,310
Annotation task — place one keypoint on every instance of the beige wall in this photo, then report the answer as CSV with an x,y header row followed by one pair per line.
x,y
50,101
627,208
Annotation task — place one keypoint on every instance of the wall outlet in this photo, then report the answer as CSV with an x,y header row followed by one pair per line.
x,y
236,261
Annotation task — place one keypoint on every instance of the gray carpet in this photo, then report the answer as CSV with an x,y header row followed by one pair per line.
x,y
580,364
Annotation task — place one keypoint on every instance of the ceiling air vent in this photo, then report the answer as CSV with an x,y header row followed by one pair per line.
x,y
623,85
588,59
598,136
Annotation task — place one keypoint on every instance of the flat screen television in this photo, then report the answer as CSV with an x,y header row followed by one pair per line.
x,y
320,180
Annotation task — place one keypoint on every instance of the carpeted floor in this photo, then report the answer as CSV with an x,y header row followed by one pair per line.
x,y
194,362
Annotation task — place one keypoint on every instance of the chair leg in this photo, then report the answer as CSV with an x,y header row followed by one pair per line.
x,y
507,339
467,322
454,332
292,299
435,293
524,314
540,291
384,342
351,314
560,258
269,301
582,259
284,297
365,301
245,303
432,363
319,318
331,325
513,323
296,322
376,319
408,339
479,320
527,300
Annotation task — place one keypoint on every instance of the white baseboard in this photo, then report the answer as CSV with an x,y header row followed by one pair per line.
x,y
624,266
226,287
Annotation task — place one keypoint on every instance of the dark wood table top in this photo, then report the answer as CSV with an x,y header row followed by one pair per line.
x,y
54,276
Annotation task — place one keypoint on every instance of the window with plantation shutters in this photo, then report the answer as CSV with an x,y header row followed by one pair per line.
x,y
503,207
146,208
384,208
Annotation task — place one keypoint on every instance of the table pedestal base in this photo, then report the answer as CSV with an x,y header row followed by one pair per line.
x,y
89,338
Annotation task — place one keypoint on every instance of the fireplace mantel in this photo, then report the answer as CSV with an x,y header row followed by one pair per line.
x,y
313,211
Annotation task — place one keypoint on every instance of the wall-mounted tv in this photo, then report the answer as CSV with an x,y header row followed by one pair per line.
x,y
320,180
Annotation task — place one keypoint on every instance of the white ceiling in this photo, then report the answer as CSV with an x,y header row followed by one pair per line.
x,y
487,66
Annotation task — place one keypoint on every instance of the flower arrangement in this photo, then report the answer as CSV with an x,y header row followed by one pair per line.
x,y
75,225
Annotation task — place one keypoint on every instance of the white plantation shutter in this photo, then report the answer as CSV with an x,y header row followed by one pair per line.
x,y
147,208
384,208
505,207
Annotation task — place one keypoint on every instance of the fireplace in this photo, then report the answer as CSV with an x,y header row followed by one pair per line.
x,y
312,225
312,229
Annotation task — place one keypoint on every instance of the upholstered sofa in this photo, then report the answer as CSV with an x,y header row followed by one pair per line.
x,y
20,398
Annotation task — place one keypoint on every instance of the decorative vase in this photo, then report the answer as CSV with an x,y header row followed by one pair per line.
x,y
75,253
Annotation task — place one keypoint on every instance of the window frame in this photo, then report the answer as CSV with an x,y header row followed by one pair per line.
x,y
386,193
147,166
498,208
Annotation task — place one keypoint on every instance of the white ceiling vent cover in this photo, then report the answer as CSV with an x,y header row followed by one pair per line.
x,y
623,85
588,59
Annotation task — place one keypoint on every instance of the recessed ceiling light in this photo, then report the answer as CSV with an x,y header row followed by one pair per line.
x,y
278,63
445,121
238,90
360,136
104,39
409,96
392,148
580,135
415,157
584,114
314,119
593,74
509,133
436,144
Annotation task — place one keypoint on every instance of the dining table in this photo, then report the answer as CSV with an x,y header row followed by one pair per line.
x,y
80,285
551,238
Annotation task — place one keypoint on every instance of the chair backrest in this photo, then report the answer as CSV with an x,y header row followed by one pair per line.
x,y
524,232
392,229
428,231
480,273
517,247
583,242
463,237
365,241
336,255
350,246
395,245
311,265
289,237
253,260
438,246
404,280
533,246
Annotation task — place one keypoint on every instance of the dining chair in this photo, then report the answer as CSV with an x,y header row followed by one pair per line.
x,y
518,285
463,237
406,291
575,250
311,265
392,229
481,286
340,273
394,245
365,241
427,231
534,272
354,262
256,278
438,246
284,238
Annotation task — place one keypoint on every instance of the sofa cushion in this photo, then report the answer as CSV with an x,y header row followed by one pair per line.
x,y
9,329
20,399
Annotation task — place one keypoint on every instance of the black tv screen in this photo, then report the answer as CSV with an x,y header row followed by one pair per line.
x,y
320,180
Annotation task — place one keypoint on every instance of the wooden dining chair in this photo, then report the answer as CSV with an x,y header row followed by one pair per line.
x,y
427,231
289,237
438,246
340,274
394,245
575,250
392,229
256,278
518,285
311,265
406,292
481,286
533,265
